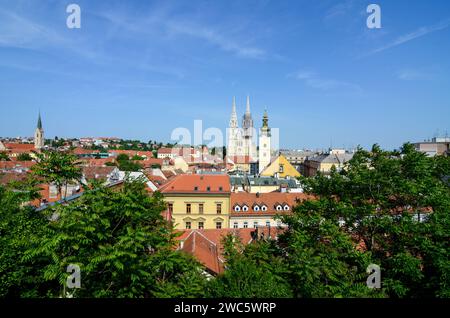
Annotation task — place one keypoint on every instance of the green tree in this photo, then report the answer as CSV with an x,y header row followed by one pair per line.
x,y
379,197
254,271
24,157
4,157
122,244
58,168
19,224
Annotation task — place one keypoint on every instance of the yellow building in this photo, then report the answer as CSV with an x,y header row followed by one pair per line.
x,y
198,201
280,167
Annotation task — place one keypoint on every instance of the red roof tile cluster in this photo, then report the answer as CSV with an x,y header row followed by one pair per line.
x,y
255,201
197,183
9,165
83,151
207,245
97,172
101,162
132,153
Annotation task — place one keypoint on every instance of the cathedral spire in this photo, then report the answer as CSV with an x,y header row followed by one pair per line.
x,y
39,123
234,119
248,105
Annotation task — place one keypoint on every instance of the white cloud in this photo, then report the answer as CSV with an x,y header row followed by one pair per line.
x,y
312,79
413,75
413,35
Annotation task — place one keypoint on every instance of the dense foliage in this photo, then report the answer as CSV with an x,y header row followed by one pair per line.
x,y
389,208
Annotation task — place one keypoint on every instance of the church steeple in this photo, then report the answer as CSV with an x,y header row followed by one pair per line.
x,y
234,120
247,109
39,123
39,135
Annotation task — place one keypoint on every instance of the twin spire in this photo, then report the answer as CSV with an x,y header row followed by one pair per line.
x,y
233,121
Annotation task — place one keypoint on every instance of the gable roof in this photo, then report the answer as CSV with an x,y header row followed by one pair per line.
x,y
186,183
271,200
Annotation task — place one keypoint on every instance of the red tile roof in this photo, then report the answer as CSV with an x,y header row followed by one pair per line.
x,y
270,200
187,183
132,153
9,165
207,245
14,147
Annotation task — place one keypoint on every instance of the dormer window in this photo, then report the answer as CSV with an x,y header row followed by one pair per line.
x,y
279,208
237,208
208,189
264,208
256,208
286,207
245,208
195,188
220,189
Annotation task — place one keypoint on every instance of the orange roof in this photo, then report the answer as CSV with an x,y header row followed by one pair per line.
x,y
19,147
271,200
16,164
197,183
83,151
147,163
97,162
207,247
131,153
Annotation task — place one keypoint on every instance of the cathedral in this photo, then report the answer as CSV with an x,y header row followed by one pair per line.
x,y
241,140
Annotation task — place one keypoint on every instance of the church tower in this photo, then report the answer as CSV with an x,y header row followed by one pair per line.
x,y
39,135
247,132
264,143
233,132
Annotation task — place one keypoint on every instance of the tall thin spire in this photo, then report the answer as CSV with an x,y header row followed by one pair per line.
x,y
234,119
247,110
39,123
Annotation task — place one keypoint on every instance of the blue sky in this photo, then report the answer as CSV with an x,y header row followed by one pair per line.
x,y
139,69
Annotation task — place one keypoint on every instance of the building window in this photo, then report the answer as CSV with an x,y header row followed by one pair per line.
x,y
255,224
264,208
201,226
267,223
245,225
245,208
286,207
218,225
208,189
188,208
279,208
188,225
237,208
220,189
235,225
281,169
200,208
195,188
219,208
256,208
170,207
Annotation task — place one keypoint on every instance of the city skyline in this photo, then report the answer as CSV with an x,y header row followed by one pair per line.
x,y
324,77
